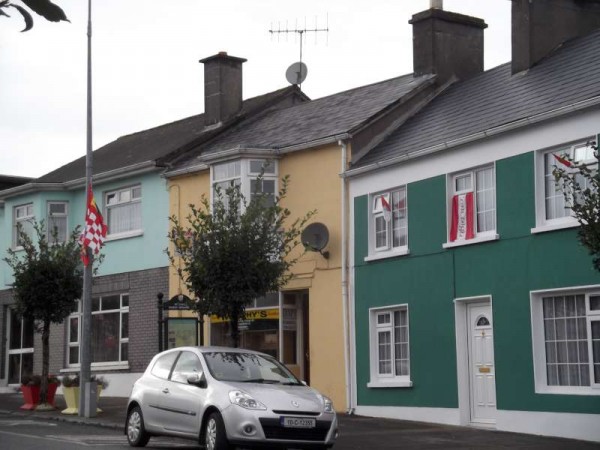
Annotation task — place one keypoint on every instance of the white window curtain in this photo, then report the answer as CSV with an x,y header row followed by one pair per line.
x,y
125,217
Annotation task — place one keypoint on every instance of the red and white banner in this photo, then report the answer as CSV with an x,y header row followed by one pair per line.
x,y
387,210
461,227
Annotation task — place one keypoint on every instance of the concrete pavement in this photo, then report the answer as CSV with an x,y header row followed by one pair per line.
x,y
356,432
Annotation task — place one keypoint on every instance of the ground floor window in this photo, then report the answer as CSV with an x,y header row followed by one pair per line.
x,y
389,345
259,330
567,340
20,347
110,330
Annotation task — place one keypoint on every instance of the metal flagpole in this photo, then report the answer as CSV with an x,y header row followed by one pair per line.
x,y
87,390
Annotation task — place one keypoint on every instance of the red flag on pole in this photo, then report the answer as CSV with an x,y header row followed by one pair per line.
x,y
461,227
94,231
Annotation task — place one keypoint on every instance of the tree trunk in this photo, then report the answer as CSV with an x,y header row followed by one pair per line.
x,y
45,362
235,331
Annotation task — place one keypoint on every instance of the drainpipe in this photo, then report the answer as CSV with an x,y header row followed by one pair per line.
x,y
345,307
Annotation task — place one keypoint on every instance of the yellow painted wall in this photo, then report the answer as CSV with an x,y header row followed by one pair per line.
x,y
314,184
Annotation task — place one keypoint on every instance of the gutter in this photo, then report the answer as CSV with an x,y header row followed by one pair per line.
x,y
135,169
253,151
186,170
345,306
530,120
316,143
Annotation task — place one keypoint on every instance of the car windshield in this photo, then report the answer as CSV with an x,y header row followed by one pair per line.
x,y
248,368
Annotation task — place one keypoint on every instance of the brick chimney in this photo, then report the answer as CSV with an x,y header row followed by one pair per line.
x,y
222,87
447,44
539,26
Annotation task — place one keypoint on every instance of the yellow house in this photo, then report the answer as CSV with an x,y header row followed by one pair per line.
x,y
306,325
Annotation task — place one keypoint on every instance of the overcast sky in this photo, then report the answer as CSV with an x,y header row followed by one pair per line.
x,y
146,70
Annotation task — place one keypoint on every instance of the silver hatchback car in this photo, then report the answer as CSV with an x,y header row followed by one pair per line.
x,y
228,397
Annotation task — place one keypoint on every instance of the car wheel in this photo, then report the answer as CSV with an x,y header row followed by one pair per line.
x,y
136,433
214,433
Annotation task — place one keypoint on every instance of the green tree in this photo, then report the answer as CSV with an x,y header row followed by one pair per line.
x,y
231,253
48,279
44,8
580,182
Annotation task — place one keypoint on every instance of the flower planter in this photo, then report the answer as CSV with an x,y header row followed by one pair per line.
x,y
31,395
71,395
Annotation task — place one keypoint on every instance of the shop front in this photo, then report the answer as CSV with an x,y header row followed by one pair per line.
x,y
277,325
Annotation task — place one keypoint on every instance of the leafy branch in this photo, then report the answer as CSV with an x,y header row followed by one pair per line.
x,y
44,8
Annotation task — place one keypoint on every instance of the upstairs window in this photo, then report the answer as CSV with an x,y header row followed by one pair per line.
x,y
124,211
23,219
472,206
244,173
57,228
553,210
389,222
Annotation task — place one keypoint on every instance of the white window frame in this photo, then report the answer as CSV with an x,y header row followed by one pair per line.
x,y
132,200
78,313
480,236
539,342
29,216
385,380
542,223
48,221
376,212
245,175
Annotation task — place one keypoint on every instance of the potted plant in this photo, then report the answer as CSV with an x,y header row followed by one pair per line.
x,y
71,392
30,387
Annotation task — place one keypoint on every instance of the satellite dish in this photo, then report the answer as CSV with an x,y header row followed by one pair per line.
x,y
315,238
296,73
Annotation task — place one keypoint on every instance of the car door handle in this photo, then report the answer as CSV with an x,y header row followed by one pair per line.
x,y
166,390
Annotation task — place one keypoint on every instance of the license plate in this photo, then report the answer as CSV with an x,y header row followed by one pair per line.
x,y
298,422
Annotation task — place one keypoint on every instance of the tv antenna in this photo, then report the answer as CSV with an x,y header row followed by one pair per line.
x,y
297,72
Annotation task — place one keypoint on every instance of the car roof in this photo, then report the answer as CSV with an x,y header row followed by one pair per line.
x,y
213,349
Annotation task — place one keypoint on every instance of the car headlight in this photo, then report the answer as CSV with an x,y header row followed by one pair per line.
x,y
244,400
327,404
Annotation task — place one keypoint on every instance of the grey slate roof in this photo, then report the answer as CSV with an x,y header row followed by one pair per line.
x,y
9,181
308,122
156,143
493,98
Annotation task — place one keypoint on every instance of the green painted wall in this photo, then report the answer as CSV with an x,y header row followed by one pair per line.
x,y
142,252
431,277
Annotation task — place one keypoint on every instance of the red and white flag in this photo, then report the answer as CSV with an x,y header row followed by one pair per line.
x,y
94,231
563,161
461,227
387,210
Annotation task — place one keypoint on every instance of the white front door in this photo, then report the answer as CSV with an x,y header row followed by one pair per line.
x,y
482,377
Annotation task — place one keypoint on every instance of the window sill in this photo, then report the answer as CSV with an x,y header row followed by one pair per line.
x,y
128,234
390,384
475,240
554,226
389,254
566,390
98,367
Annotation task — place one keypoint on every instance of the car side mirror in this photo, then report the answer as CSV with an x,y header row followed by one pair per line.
x,y
197,379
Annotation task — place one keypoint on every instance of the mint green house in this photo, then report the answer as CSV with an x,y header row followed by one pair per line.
x,y
473,301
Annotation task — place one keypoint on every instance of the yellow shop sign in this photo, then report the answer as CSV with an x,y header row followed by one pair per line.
x,y
254,314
